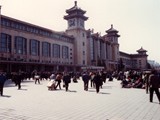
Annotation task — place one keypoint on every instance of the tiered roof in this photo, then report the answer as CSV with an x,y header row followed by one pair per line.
x,y
75,11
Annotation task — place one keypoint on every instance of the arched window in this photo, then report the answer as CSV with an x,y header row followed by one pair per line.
x,y
46,49
56,51
34,47
65,52
5,43
20,45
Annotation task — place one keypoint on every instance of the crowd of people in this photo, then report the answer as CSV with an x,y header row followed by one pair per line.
x,y
148,80
56,80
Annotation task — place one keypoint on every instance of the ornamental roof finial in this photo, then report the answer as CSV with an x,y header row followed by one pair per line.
x,y
75,2
111,25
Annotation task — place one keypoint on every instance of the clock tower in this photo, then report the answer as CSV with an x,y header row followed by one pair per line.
x,y
76,27
75,17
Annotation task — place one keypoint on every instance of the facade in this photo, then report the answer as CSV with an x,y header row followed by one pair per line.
x,y
104,50
134,61
26,47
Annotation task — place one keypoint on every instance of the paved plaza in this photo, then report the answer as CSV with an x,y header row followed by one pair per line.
x,y
35,102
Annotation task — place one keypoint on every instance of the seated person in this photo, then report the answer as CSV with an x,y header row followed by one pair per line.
x,y
138,83
126,83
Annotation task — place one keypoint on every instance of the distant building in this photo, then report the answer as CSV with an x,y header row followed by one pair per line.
x,y
154,65
25,46
134,61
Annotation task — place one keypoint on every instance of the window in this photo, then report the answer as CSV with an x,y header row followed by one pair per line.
x,y
20,45
56,51
83,52
5,43
83,62
65,52
83,43
92,49
46,49
83,34
34,47
5,22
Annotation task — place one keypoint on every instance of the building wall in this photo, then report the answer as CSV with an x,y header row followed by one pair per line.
x,y
28,31
80,46
134,61
28,36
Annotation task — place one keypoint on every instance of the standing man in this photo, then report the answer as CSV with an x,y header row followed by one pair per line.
x,y
66,80
17,78
85,78
58,80
154,83
2,81
37,78
98,81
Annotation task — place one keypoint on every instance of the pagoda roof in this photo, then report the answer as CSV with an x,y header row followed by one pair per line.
x,y
75,15
141,50
75,8
112,30
75,11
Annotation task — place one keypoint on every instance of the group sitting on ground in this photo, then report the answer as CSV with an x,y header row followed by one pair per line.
x,y
134,79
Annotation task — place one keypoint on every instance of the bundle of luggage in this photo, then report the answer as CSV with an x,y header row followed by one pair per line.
x,y
51,85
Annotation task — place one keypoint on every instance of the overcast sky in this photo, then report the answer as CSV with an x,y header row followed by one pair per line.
x,y
138,21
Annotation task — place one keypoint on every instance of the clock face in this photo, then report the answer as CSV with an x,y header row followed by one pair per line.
x,y
71,22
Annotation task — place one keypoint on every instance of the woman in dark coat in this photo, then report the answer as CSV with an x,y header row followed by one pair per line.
x,y
98,82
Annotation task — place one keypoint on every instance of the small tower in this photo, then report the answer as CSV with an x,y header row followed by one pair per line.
x,y
142,58
112,36
75,17
76,27
142,51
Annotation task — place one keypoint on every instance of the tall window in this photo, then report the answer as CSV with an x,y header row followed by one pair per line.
x,y
107,51
46,49
92,54
20,45
65,52
34,47
5,43
56,51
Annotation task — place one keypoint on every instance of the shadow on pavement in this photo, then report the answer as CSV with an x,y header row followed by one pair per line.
x,y
72,91
8,96
156,102
23,89
99,92
104,93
